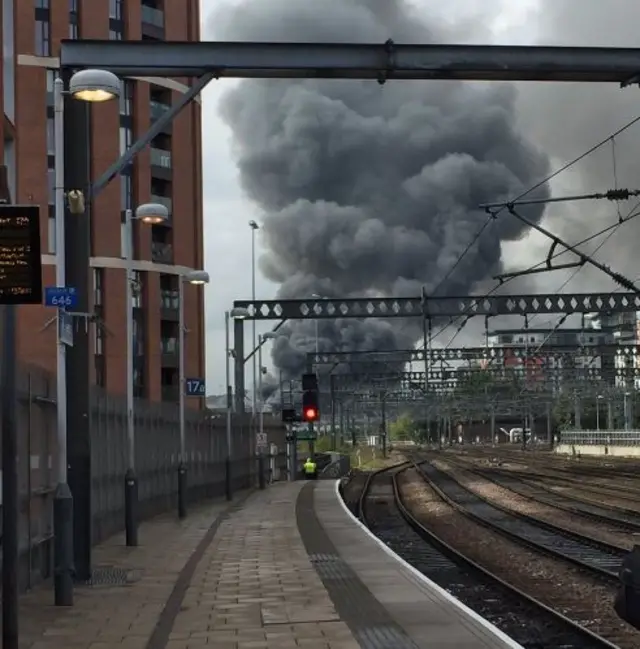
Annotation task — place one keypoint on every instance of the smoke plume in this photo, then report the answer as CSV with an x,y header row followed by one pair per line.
x,y
371,190
593,111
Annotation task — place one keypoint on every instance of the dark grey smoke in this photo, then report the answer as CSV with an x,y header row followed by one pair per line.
x,y
367,189
593,111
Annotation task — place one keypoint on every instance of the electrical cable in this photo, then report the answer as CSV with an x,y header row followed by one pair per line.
x,y
537,185
535,266
461,256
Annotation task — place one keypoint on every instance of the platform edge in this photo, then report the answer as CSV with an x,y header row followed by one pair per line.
x,y
510,642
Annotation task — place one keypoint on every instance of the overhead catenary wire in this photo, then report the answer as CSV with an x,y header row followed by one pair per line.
x,y
532,188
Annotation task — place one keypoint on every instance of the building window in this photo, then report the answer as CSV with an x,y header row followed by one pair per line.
x,y
73,19
138,288
126,139
51,146
51,182
126,98
42,33
169,294
116,20
51,230
98,286
126,191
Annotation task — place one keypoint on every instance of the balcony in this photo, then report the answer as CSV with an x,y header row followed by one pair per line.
x,y
156,110
161,253
169,305
163,200
161,164
152,22
169,352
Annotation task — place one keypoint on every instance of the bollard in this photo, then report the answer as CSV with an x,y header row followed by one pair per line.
x,y
182,491
131,508
261,476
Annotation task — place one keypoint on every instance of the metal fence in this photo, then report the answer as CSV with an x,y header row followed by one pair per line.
x,y
600,437
157,454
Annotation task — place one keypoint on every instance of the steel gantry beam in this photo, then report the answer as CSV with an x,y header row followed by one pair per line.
x,y
437,307
379,61
624,353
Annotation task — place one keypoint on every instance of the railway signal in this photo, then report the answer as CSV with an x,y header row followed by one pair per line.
x,y
310,406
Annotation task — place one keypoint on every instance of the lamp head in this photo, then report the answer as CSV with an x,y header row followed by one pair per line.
x,y
239,313
94,85
253,225
197,277
152,213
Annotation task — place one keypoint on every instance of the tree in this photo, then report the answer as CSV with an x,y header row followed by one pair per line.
x,y
402,429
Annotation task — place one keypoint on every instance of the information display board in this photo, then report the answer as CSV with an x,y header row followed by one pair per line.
x,y
20,258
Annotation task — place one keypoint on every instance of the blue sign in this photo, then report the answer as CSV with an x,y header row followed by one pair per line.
x,y
195,387
61,297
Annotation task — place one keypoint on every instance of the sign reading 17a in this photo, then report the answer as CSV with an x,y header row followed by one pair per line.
x,y
195,387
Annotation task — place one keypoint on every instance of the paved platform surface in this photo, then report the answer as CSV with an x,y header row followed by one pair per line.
x,y
409,612
240,580
282,568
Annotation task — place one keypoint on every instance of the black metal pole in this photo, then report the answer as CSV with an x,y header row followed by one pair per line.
x,y
9,482
227,479
261,476
77,141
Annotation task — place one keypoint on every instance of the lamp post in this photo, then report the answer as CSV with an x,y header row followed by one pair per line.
x,y
238,314
198,278
91,86
598,399
150,214
254,226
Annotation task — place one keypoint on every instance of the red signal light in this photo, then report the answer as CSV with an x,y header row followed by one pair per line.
x,y
310,414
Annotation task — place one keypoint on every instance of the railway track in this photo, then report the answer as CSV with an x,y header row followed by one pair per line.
x,y
519,484
601,559
529,622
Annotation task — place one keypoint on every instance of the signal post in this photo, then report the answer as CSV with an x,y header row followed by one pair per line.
x,y
310,407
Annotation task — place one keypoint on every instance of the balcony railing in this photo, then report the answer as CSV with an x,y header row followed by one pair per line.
x,y
153,16
169,345
169,300
157,109
161,253
161,158
163,200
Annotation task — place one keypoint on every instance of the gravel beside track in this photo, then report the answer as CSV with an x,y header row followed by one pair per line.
x,y
532,626
588,552
517,492
564,588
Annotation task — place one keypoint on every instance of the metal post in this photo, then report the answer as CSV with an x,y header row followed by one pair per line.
x,y
182,466
333,412
625,408
63,500
227,462
597,413
254,401
383,425
238,344
77,168
9,500
261,475
130,478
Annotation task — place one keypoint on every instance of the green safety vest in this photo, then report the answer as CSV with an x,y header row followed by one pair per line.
x,y
309,467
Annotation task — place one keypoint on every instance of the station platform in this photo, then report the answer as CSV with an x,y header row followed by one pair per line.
x,y
283,568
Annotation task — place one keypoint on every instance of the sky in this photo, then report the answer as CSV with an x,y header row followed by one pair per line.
x,y
227,212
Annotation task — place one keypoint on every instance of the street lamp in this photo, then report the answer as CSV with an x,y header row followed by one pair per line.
x,y
269,335
598,399
150,214
196,278
236,313
93,86
254,226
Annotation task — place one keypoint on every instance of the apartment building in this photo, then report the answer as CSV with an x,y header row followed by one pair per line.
x,y
167,172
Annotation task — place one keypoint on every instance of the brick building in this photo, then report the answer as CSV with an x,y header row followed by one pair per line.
x,y
168,172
